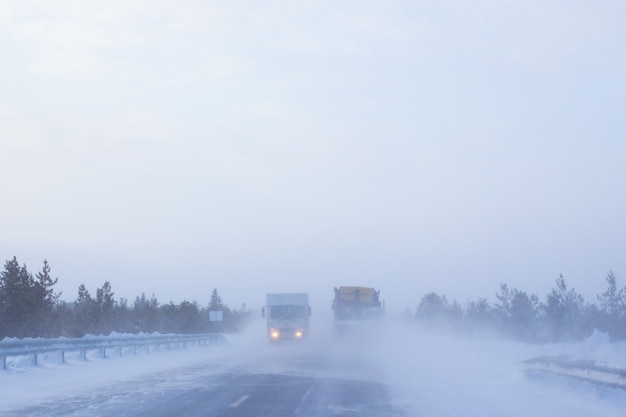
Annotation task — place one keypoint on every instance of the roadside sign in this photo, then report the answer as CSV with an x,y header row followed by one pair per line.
x,y
216,315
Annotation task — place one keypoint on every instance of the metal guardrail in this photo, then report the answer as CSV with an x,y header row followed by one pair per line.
x,y
34,347
582,370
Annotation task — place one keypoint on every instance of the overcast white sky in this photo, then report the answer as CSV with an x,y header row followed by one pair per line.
x,y
446,146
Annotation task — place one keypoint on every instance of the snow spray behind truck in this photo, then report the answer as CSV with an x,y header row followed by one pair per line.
x,y
287,316
354,305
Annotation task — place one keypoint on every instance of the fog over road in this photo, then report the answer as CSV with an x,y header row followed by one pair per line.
x,y
281,380
392,370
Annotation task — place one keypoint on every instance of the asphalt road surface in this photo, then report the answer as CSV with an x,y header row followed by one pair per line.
x,y
285,381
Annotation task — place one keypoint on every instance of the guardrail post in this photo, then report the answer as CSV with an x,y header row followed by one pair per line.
x,y
83,354
34,359
4,362
62,356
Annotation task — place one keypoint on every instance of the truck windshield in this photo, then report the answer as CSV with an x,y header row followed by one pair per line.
x,y
287,312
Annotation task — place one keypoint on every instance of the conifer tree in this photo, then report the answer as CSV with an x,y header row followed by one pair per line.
x,y
612,308
432,305
18,301
104,305
563,312
146,314
215,303
84,313
45,300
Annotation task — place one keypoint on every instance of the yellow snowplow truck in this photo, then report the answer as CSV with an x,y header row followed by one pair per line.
x,y
356,304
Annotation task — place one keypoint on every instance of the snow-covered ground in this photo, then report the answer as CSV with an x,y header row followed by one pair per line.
x,y
429,373
435,374
24,384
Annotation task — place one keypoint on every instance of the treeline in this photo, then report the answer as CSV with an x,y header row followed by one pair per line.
x,y
30,307
561,316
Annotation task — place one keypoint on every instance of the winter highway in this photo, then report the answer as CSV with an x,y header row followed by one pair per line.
x,y
282,380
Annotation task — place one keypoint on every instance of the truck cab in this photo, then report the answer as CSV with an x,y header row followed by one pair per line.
x,y
287,316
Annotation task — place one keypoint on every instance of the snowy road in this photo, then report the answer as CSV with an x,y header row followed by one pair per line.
x,y
286,381
388,372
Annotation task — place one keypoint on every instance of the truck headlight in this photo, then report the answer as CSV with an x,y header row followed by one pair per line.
x,y
299,334
274,334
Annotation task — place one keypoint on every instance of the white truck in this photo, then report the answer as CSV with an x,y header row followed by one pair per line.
x,y
287,316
